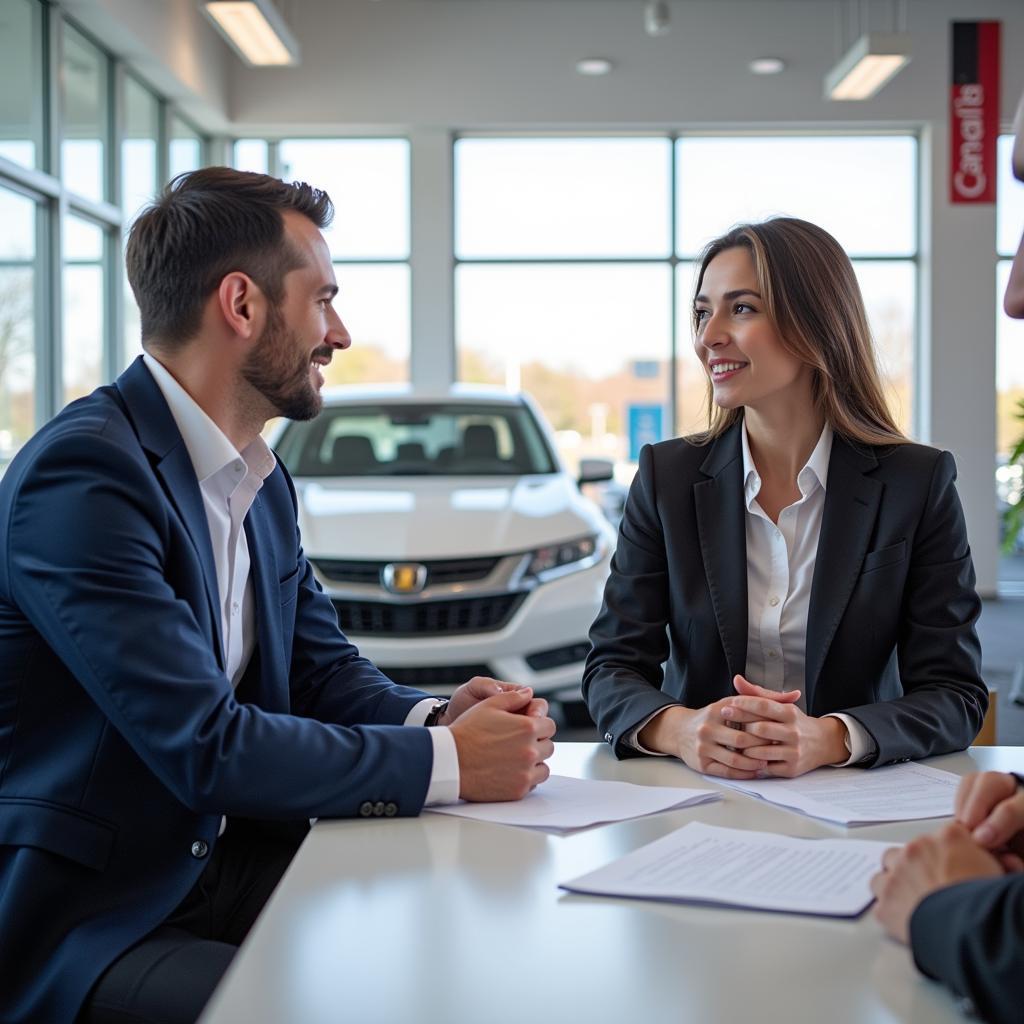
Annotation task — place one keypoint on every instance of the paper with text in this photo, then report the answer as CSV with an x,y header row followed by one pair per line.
x,y
855,796
706,864
561,804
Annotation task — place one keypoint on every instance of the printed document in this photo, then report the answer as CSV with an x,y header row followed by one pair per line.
x,y
853,796
561,804
706,864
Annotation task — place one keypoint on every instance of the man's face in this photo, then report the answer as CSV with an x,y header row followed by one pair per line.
x,y
302,331
1013,300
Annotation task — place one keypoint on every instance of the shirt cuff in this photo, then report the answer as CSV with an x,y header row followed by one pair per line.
x,y
444,774
418,714
631,738
858,741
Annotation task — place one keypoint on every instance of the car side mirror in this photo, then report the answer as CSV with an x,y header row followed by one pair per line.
x,y
595,471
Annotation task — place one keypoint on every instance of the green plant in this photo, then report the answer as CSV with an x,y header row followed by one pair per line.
x,y
1013,514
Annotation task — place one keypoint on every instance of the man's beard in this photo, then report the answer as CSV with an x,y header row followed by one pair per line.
x,y
283,380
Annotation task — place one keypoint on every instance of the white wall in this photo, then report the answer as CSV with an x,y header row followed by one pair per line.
x,y
430,68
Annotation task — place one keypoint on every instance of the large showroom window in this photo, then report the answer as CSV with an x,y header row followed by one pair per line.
x,y
67,319
574,264
368,182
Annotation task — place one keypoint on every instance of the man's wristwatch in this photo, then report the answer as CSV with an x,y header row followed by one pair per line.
x,y
435,714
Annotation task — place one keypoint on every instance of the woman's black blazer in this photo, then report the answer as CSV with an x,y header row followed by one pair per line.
x,y
890,632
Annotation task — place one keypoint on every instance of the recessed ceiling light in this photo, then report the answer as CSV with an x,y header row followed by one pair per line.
x,y
766,66
594,66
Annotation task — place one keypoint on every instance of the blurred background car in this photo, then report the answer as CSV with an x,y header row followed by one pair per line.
x,y
449,535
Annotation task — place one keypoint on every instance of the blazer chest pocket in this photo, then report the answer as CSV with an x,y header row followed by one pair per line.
x,y
65,831
884,556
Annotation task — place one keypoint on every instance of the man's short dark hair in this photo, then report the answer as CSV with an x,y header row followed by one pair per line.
x,y
206,224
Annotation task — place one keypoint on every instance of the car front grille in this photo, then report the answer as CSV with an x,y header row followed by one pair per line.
x,y
435,675
427,618
449,570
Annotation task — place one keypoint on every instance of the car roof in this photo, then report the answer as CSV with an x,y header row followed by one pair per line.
x,y
404,394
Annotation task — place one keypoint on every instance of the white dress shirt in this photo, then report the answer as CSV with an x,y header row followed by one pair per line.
x,y
780,570
229,482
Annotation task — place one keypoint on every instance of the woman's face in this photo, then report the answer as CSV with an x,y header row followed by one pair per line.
x,y
739,345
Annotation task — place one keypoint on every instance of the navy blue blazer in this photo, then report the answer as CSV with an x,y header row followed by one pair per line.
x,y
122,742
890,629
970,936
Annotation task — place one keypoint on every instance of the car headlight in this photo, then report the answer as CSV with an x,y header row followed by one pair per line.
x,y
569,556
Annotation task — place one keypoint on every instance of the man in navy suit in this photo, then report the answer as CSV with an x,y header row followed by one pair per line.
x,y
957,897
176,699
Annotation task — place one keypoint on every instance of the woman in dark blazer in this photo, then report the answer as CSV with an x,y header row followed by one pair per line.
x,y
794,587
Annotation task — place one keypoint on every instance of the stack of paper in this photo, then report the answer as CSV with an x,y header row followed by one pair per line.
x,y
562,804
722,866
853,796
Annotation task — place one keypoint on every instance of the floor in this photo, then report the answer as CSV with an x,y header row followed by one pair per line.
x,y
1001,628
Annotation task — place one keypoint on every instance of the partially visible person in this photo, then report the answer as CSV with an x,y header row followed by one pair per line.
x,y
794,587
957,897
176,699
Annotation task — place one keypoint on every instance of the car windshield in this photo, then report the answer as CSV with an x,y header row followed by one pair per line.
x,y
402,439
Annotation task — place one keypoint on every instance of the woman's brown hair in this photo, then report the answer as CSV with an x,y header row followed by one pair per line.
x,y
812,298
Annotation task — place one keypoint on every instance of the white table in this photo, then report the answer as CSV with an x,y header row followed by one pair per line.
x,y
441,919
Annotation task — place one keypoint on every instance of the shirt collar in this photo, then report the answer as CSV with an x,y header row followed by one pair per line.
x,y
207,445
815,471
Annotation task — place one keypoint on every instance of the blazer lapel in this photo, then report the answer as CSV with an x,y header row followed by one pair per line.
x,y
266,690
851,506
158,434
723,543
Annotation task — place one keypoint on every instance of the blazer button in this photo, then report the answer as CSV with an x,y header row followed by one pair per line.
x,y
607,737
390,810
200,848
378,809
365,809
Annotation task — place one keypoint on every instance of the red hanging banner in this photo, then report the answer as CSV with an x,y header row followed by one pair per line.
x,y
974,112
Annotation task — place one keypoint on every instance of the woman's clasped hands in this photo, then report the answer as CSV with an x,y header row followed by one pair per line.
x,y
758,733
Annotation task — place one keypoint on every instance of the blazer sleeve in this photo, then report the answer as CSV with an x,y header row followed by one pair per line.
x,y
971,937
623,674
944,698
88,538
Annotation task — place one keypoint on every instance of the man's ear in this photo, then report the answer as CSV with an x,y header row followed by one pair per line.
x,y
242,304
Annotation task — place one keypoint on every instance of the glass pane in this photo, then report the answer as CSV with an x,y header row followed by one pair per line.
x,y
374,304
889,296
588,342
251,155
562,198
1009,202
862,189
368,181
1009,369
138,148
21,82
82,356
186,150
17,322
83,78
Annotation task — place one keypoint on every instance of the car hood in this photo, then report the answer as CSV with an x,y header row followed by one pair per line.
x,y
441,517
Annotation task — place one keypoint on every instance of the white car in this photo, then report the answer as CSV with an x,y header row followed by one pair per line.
x,y
449,535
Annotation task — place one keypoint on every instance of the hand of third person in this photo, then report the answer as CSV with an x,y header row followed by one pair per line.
x,y
991,806
502,743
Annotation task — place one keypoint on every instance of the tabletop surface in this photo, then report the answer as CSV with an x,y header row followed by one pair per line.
x,y
439,918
